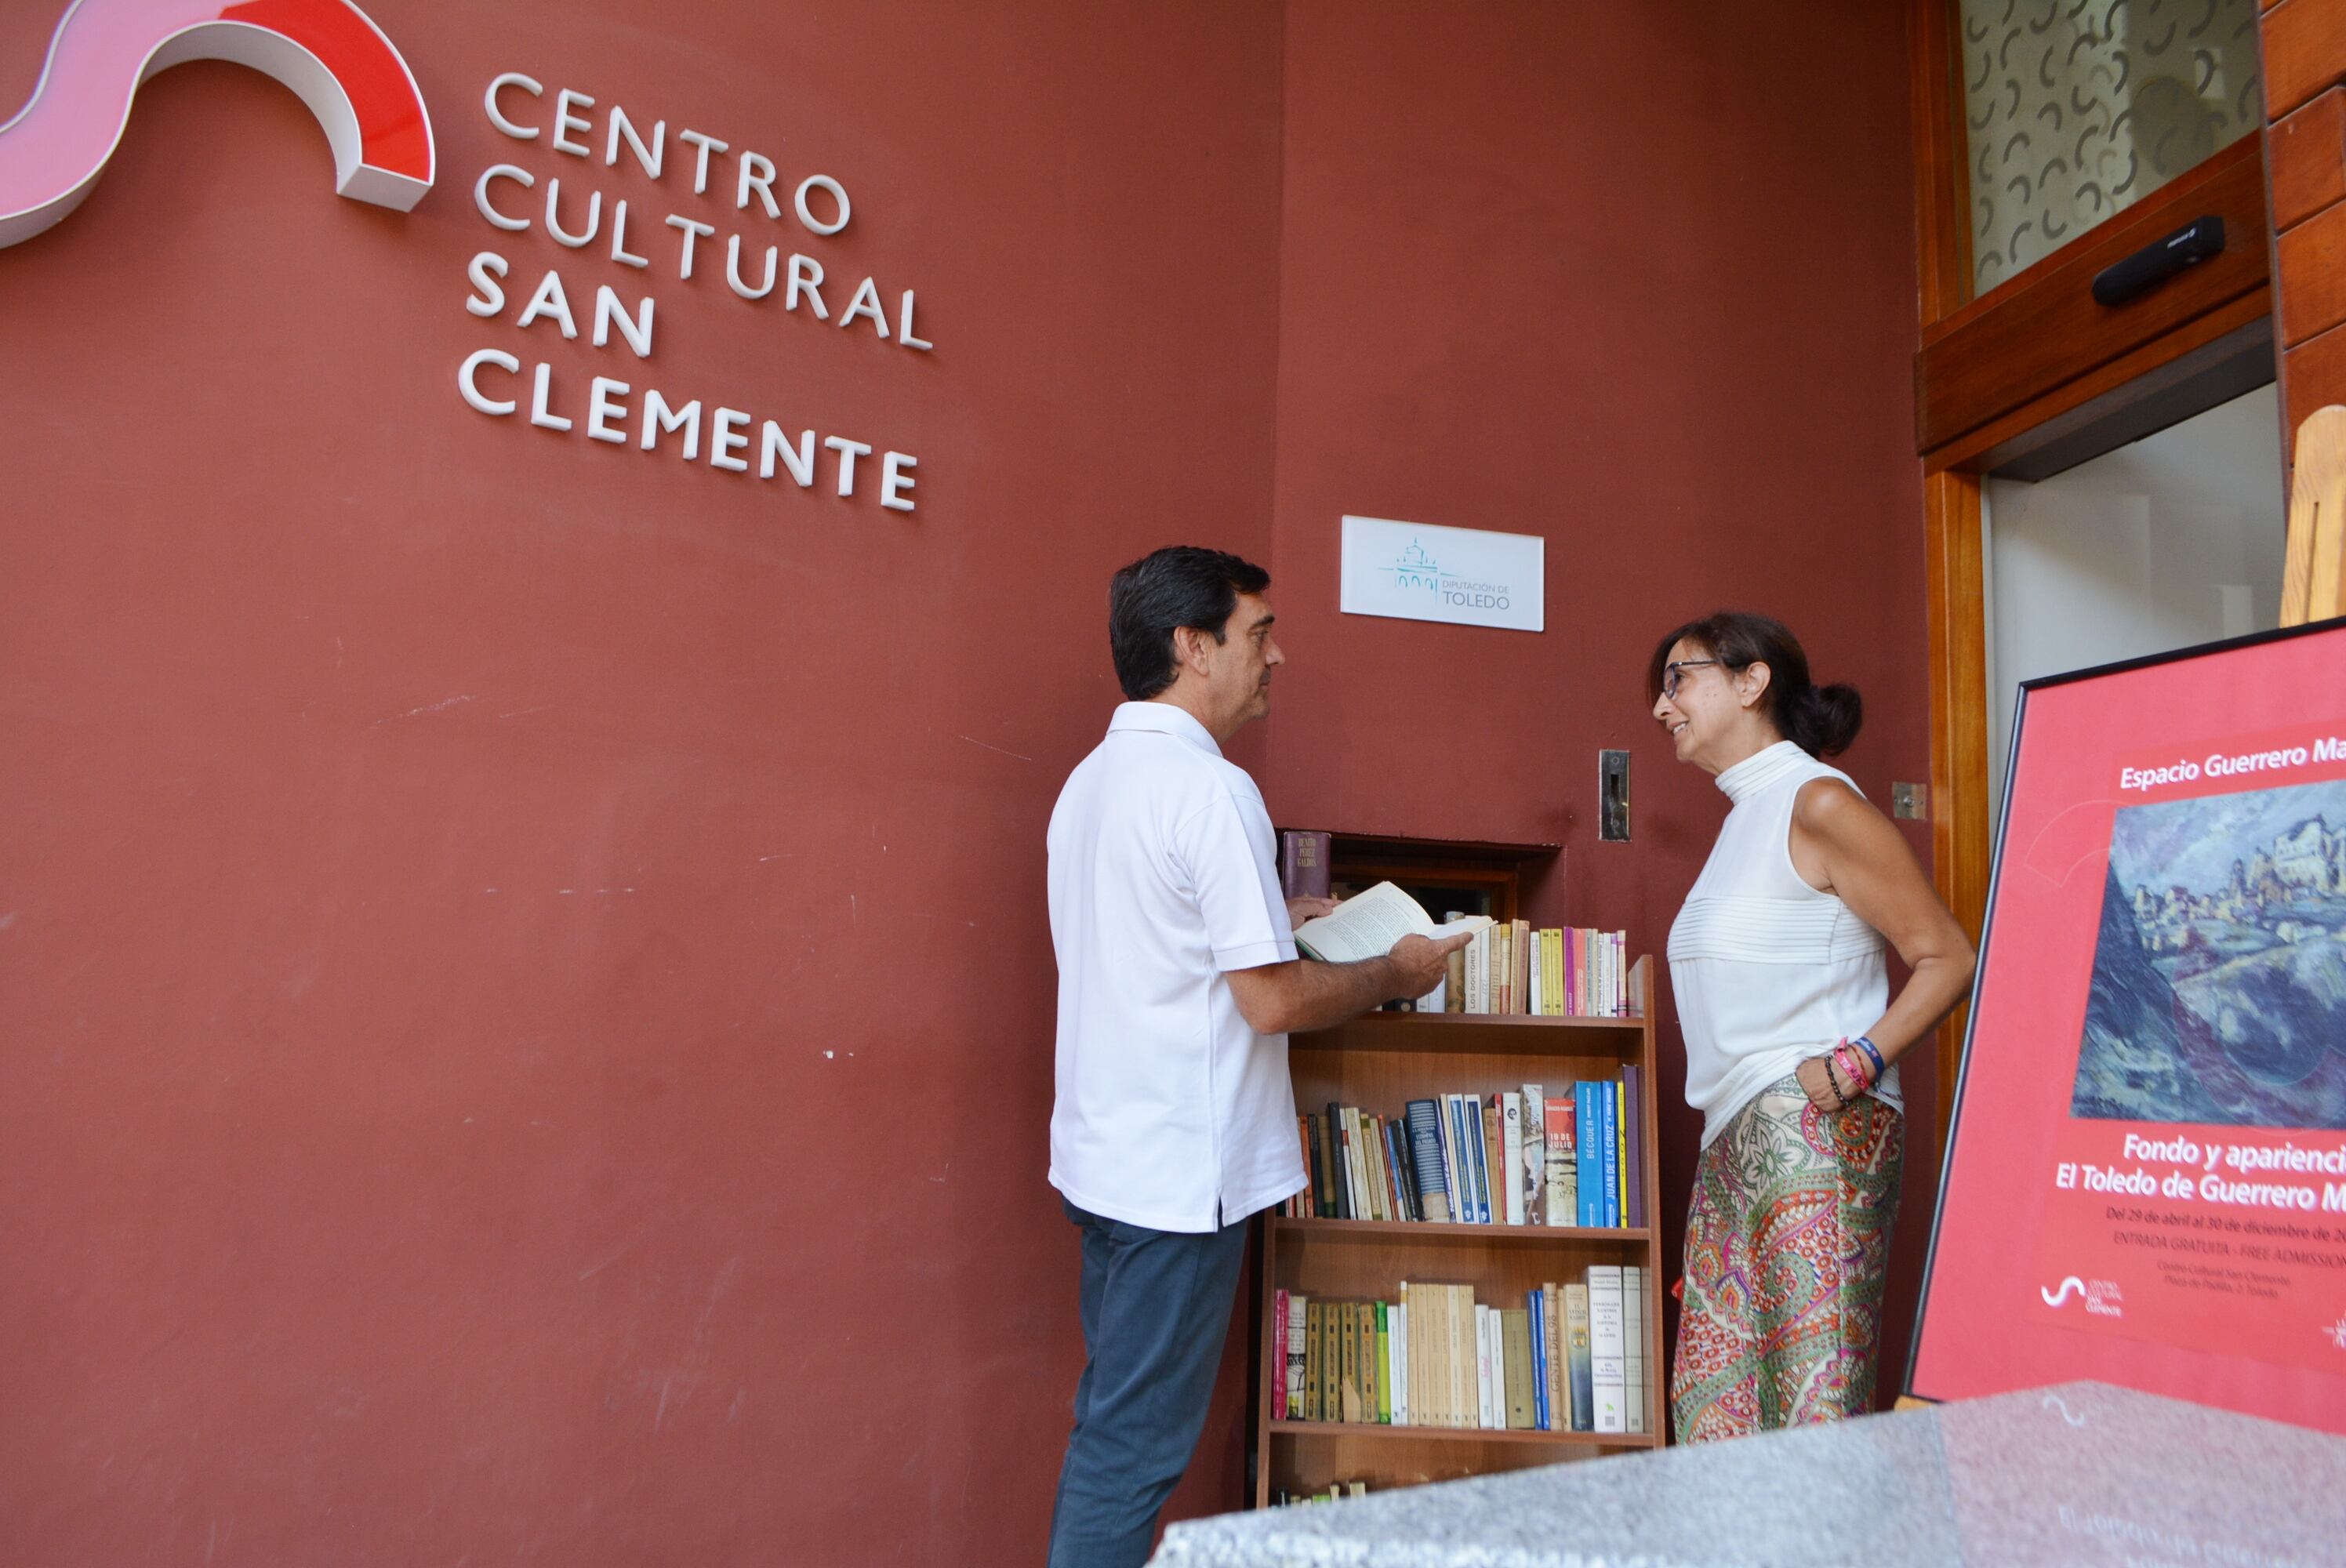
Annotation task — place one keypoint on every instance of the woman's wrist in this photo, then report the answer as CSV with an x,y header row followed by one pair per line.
x,y
1872,1052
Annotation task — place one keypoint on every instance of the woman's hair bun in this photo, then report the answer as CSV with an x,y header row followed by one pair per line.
x,y
1823,720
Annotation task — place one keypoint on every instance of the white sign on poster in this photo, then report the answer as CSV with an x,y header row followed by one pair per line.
x,y
1422,572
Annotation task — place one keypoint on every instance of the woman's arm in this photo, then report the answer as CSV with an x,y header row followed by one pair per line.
x,y
1843,846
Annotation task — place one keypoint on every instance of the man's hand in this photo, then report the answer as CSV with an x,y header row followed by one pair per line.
x,y
1422,962
1300,995
1302,910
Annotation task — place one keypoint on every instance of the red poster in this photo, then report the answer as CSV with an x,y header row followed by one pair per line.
x,y
2147,1182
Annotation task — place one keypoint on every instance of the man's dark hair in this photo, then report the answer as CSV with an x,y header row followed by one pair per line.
x,y
1180,586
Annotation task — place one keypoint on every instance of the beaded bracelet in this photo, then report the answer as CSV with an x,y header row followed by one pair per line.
x,y
1841,1101
1874,1054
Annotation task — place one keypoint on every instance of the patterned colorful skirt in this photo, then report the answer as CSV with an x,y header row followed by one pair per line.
x,y
1787,1243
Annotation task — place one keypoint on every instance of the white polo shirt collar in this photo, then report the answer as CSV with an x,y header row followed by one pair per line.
x,y
1166,718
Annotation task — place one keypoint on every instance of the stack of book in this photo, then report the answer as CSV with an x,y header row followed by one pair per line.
x,y
1571,1359
1558,974
1515,1157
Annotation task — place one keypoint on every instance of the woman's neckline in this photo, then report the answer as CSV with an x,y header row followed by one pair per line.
x,y
1763,769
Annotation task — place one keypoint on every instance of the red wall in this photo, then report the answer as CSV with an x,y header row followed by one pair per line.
x,y
681,1198
1638,279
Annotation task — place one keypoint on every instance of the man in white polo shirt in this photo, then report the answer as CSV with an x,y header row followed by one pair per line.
x,y
1178,984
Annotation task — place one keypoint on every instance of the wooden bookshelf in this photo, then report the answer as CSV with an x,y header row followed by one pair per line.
x,y
1380,1063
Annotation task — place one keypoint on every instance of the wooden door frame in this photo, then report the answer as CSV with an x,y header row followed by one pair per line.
x,y
2195,325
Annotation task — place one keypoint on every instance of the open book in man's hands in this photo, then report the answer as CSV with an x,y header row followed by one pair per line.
x,y
1366,925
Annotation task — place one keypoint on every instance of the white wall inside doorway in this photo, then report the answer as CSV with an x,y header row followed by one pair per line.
x,y
2172,541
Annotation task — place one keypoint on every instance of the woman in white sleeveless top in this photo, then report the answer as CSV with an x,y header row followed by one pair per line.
x,y
1791,1035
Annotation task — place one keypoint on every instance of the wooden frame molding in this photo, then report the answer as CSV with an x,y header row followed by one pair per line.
x,y
2040,329
1958,652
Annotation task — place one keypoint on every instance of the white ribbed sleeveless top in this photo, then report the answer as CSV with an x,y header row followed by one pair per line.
x,y
1769,971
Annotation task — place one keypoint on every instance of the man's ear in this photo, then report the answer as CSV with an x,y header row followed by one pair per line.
x,y
1752,680
1189,649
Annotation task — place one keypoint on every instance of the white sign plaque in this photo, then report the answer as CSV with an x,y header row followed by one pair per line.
x,y
1422,572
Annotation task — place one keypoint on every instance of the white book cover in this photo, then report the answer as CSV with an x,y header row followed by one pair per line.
x,y
1535,1167
1609,1373
1498,1369
1356,1157
1483,1366
1538,1003
1462,1360
1511,1155
1397,1330
1478,971
1297,1348
1633,1343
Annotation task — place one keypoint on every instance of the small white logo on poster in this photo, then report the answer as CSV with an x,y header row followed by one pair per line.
x,y
1426,572
2336,1332
2102,1297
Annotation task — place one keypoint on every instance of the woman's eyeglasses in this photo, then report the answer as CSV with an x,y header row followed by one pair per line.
x,y
1670,673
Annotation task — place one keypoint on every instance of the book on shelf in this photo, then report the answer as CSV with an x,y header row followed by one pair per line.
x,y
1607,1350
1588,1105
1531,1173
1633,1146
1280,1306
1633,1347
1563,1173
1482,1159
1515,1344
1511,1158
1611,1144
1296,1351
1426,1161
1579,1374
1570,1359
1537,1345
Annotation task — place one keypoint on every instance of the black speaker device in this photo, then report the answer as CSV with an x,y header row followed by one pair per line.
x,y
2155,263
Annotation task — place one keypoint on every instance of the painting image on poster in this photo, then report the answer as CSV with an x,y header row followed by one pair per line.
x,y
2218,992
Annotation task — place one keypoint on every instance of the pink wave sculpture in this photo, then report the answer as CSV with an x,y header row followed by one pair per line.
x,y
332,55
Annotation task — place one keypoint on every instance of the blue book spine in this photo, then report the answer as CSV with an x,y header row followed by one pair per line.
x,y
1425,1157
1612,1154
1539,1360
1592,1199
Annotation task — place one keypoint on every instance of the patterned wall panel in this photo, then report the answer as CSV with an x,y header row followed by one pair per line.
x,y
2078,109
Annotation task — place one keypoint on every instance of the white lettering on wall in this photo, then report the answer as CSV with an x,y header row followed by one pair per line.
x,y
622,412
